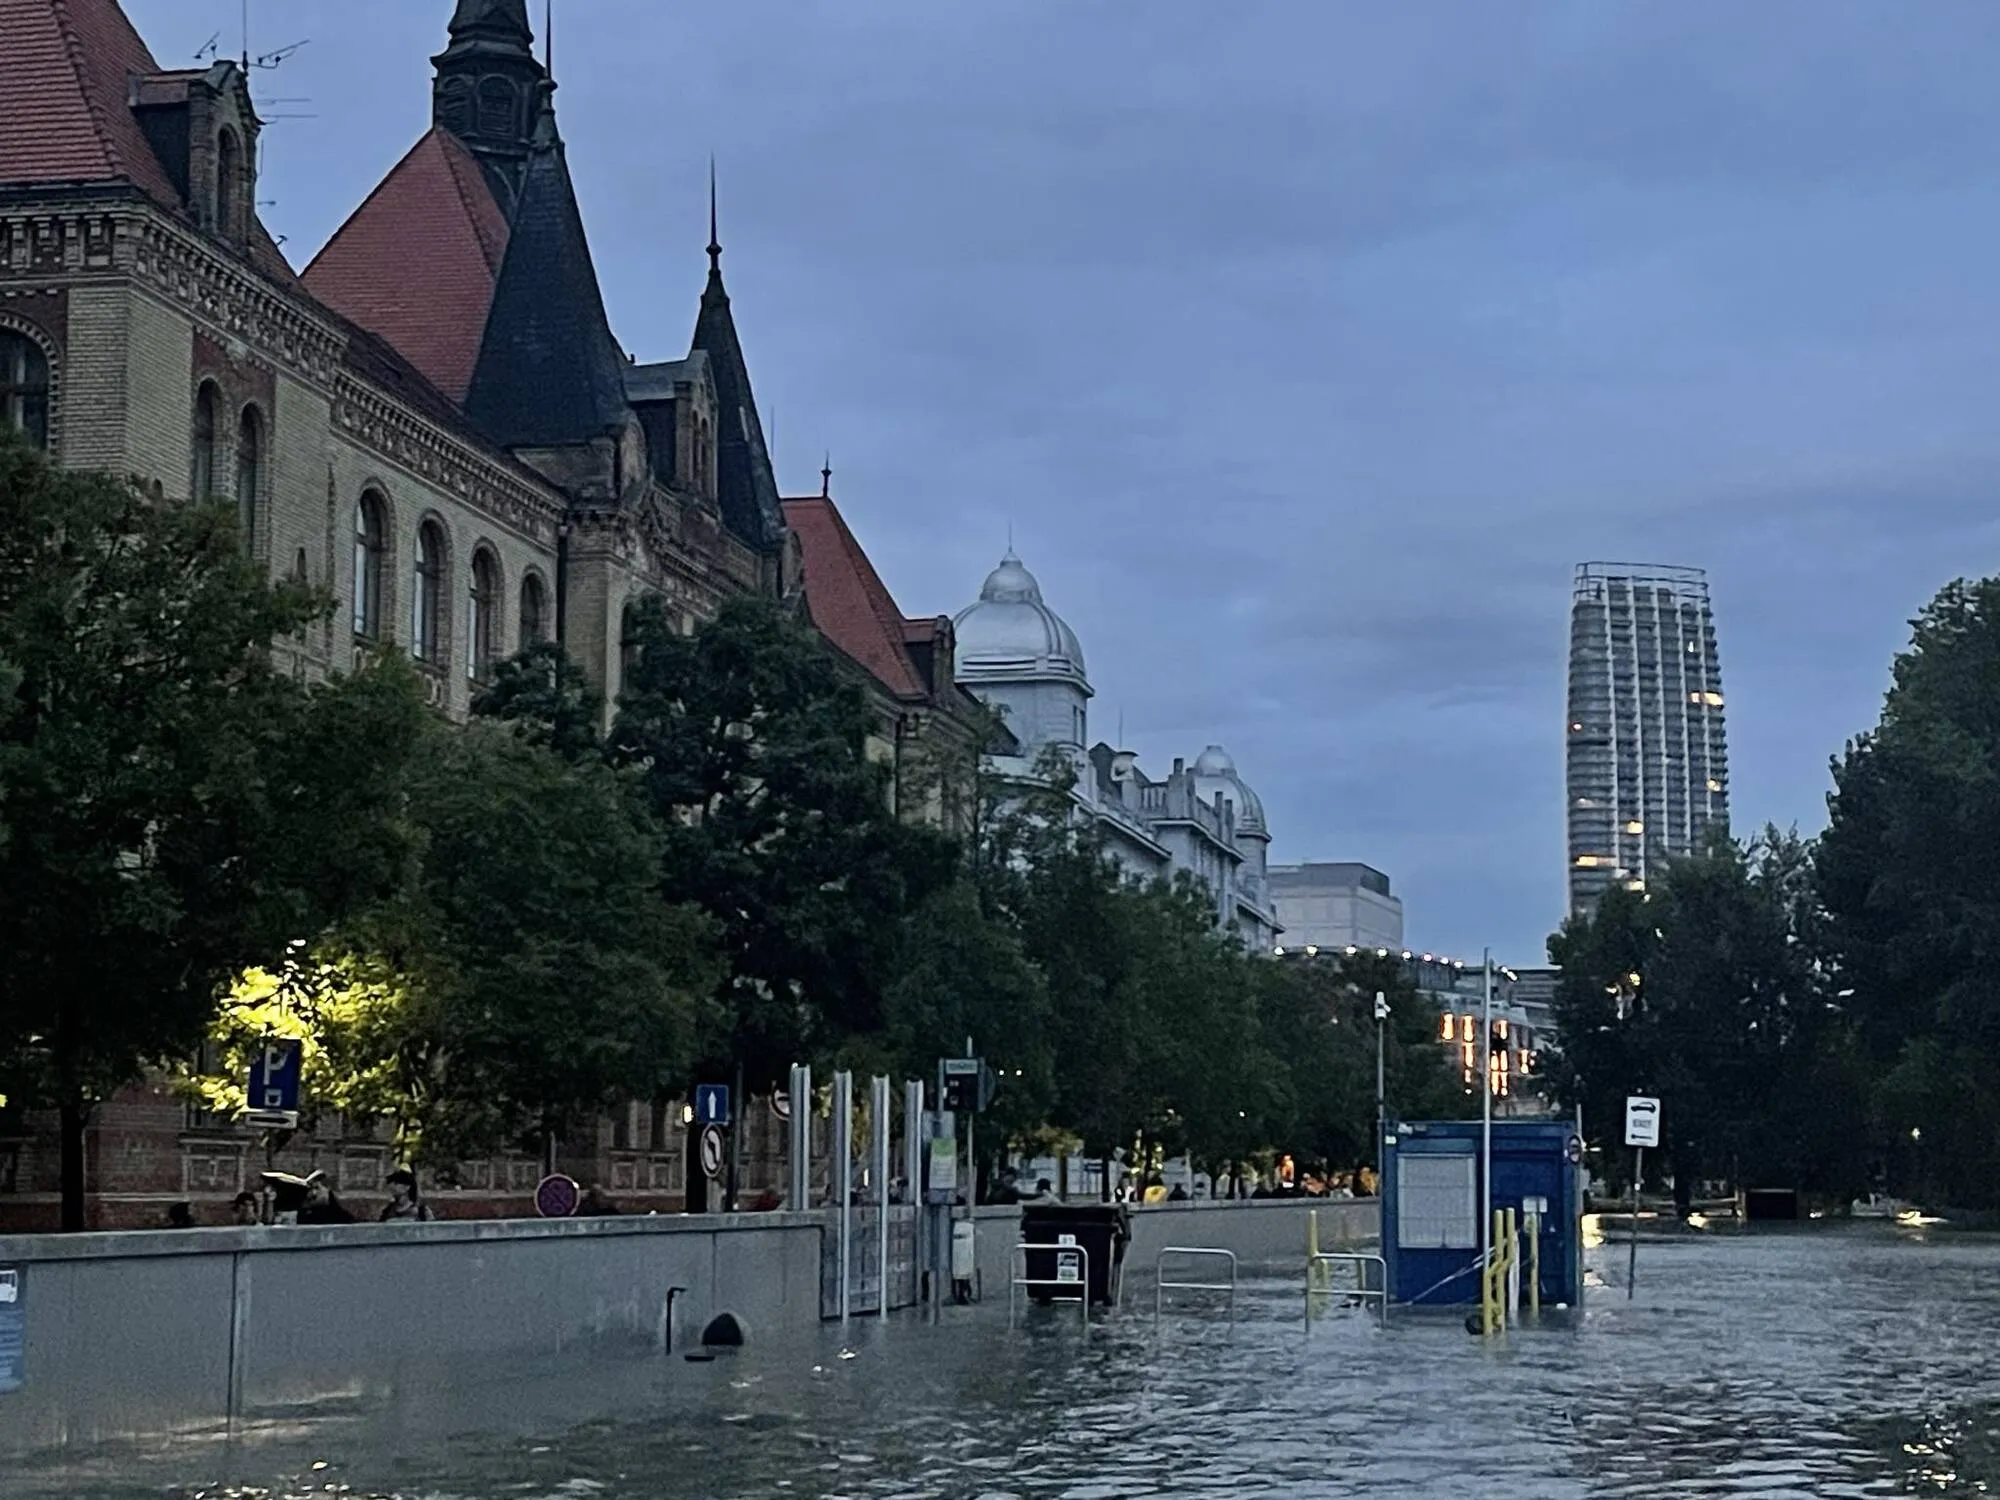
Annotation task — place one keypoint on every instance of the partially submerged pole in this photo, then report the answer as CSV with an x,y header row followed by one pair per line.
x,y
1486,1125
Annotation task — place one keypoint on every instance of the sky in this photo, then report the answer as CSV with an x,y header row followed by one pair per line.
x,y
1304,347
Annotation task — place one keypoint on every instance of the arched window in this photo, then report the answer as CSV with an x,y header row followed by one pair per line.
x,y
497,108
480,601
24,386
249,471
427,595
628,644
534,610
228,185
370,542
202,483
456,108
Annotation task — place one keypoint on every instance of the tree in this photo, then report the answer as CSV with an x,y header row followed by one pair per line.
x,y
753,751
140,785
1912,899
960,973
528,978
1707,992
548,697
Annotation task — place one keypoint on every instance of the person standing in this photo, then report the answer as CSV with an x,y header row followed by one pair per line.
x,y
405,1202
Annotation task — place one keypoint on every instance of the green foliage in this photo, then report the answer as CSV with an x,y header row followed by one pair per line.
x,y
753,751
1707,992
548,698
525,979
1912,897
142,797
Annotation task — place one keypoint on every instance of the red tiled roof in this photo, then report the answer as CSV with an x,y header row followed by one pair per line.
x,y
416,263
66,71
847,600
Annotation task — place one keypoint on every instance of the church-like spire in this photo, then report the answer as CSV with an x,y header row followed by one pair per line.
x,y
746,487
549,373
500,21
488,84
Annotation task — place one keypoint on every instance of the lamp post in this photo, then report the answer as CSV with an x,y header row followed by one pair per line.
x,y
1381,1096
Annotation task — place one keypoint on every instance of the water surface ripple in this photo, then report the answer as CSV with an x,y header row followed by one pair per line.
x,y
1853,1362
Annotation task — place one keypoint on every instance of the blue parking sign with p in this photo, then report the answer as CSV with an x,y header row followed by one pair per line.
x,y
711,1103
274,1074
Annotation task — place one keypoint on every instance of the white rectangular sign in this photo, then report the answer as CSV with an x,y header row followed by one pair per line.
x,y
1642,1121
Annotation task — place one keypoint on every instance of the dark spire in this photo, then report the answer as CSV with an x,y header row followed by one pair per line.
x,y
493,25
486,91
746,488
826,477
549,373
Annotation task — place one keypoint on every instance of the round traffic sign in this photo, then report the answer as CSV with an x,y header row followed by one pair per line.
x,y
711,1150
556,1196
781,1104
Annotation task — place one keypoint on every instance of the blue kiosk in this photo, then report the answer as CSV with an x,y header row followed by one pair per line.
x,y
1431,1205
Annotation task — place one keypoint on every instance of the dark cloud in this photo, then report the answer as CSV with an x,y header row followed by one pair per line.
x,y
1306,348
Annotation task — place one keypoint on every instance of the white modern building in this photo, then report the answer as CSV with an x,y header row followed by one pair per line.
x,y
1647,761
1336,904
1023,659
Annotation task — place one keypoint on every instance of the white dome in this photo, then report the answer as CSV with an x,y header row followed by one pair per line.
x,y
1215,772
1011,632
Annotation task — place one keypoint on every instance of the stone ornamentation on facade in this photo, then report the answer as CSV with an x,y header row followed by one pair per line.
x,y
1023,660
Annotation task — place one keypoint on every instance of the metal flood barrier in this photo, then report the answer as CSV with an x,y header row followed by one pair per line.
x,y
1074,1273
1161,1286
1320,1288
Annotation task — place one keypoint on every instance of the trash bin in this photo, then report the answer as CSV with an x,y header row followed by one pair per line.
x,y
1100,1230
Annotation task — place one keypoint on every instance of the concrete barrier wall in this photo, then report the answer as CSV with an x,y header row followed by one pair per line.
x,y
143,1334
1263,1233
147,1334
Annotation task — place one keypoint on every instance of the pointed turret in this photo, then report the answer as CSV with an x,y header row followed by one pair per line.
x,y
549,373
488,82
746,489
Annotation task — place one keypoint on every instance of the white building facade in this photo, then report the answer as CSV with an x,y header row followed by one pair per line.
x,y
1022,659
1336,904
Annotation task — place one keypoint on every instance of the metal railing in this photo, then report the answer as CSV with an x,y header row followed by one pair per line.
x,y
1321,1289
1080,1277
1161,1286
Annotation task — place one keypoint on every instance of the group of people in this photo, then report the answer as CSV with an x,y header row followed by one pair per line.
x,y
312,1200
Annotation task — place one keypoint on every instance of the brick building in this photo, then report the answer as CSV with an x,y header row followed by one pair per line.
x,y
433,420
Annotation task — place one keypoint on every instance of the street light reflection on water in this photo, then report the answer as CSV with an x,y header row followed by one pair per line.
x,y
1822,1362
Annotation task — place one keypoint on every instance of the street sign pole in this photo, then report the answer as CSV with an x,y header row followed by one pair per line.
x,y
735,1145
1642,1129
1632,1250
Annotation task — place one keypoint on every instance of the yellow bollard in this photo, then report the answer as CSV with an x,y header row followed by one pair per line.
x,y
1534,1226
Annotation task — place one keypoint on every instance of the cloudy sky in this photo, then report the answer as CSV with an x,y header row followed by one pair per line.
x,y
1307,345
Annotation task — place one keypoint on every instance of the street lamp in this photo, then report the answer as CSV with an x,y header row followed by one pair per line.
x,y
1381,1112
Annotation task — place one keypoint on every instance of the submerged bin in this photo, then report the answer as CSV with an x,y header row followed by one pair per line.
x,y
1100,1230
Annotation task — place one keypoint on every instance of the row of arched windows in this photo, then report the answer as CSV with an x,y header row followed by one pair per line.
x,y
430,588
237,470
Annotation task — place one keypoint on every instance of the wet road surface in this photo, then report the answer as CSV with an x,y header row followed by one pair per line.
x,y
1839,1362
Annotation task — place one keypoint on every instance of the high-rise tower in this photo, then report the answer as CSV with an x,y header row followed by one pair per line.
x,y
1647,760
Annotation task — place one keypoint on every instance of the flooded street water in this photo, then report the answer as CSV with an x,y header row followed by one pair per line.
x,y
1821,1363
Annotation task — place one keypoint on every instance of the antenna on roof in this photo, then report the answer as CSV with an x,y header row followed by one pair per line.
x,y
273,58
